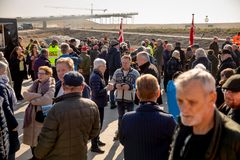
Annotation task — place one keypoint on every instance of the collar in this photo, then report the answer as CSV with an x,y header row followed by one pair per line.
x,y
149,106
145,65
98,73
67,96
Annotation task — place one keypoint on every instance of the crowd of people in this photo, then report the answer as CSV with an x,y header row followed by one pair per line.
x,y
71,86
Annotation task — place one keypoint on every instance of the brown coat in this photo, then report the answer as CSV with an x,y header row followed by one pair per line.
x,y
69,125
36,100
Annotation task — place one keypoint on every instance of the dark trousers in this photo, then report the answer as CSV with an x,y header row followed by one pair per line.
x,y
112,98
11,156
122,106
86,77
95,140
17,86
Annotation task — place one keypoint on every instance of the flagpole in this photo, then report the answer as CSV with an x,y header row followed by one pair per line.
x,y
191,38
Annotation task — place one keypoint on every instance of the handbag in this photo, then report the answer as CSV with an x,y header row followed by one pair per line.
x,y
39,116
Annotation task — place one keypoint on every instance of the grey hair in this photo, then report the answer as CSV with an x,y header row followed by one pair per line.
x,y
97,62
200,52
104,48
200,66
204,77
3,65
65,47
169,44
144,55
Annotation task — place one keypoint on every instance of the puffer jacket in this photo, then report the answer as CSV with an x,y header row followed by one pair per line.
x,y
8,104
4,141
224,144
70,123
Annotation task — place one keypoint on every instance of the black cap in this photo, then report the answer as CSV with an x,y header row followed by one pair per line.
x,y
225,51
232,83
73,40
73,78
195,45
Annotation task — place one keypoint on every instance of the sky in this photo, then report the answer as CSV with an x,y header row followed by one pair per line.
x,y
150,11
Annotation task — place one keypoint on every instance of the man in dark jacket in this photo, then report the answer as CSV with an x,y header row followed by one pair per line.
x,y
158,55
73,44
70,123
227,62
146,133
204,132
201,57
214,60
145,67
214,46
231,90
113,63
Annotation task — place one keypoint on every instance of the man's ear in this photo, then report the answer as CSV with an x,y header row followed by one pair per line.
x,y
137,93
158,93
212,97
81,87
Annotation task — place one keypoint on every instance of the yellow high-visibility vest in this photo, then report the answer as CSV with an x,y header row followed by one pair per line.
x,y
54,53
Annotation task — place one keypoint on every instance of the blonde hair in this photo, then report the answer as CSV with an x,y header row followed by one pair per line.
x,y
67,61
147,87
47,69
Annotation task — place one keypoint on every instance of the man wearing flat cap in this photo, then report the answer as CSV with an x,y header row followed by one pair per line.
x,y
70,123
226,62
113,63
231,90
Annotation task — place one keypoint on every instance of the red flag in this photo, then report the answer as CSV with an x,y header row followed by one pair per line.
x,y
121,39
191,40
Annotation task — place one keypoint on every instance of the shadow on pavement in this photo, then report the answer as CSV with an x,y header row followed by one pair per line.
x,y
112,151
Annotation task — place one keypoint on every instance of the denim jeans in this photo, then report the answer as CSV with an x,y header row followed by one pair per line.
x,y
122,106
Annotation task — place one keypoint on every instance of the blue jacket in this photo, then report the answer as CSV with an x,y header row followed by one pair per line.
x,y
173,107
75,59
146,133
97,85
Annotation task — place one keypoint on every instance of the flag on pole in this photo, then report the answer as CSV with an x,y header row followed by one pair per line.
x,y
121,39
191,40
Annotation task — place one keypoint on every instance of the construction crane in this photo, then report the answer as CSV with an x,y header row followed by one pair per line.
x,y
88,9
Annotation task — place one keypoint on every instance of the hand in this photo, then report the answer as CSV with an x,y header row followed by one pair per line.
x,y
15,129
118,86
125,87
